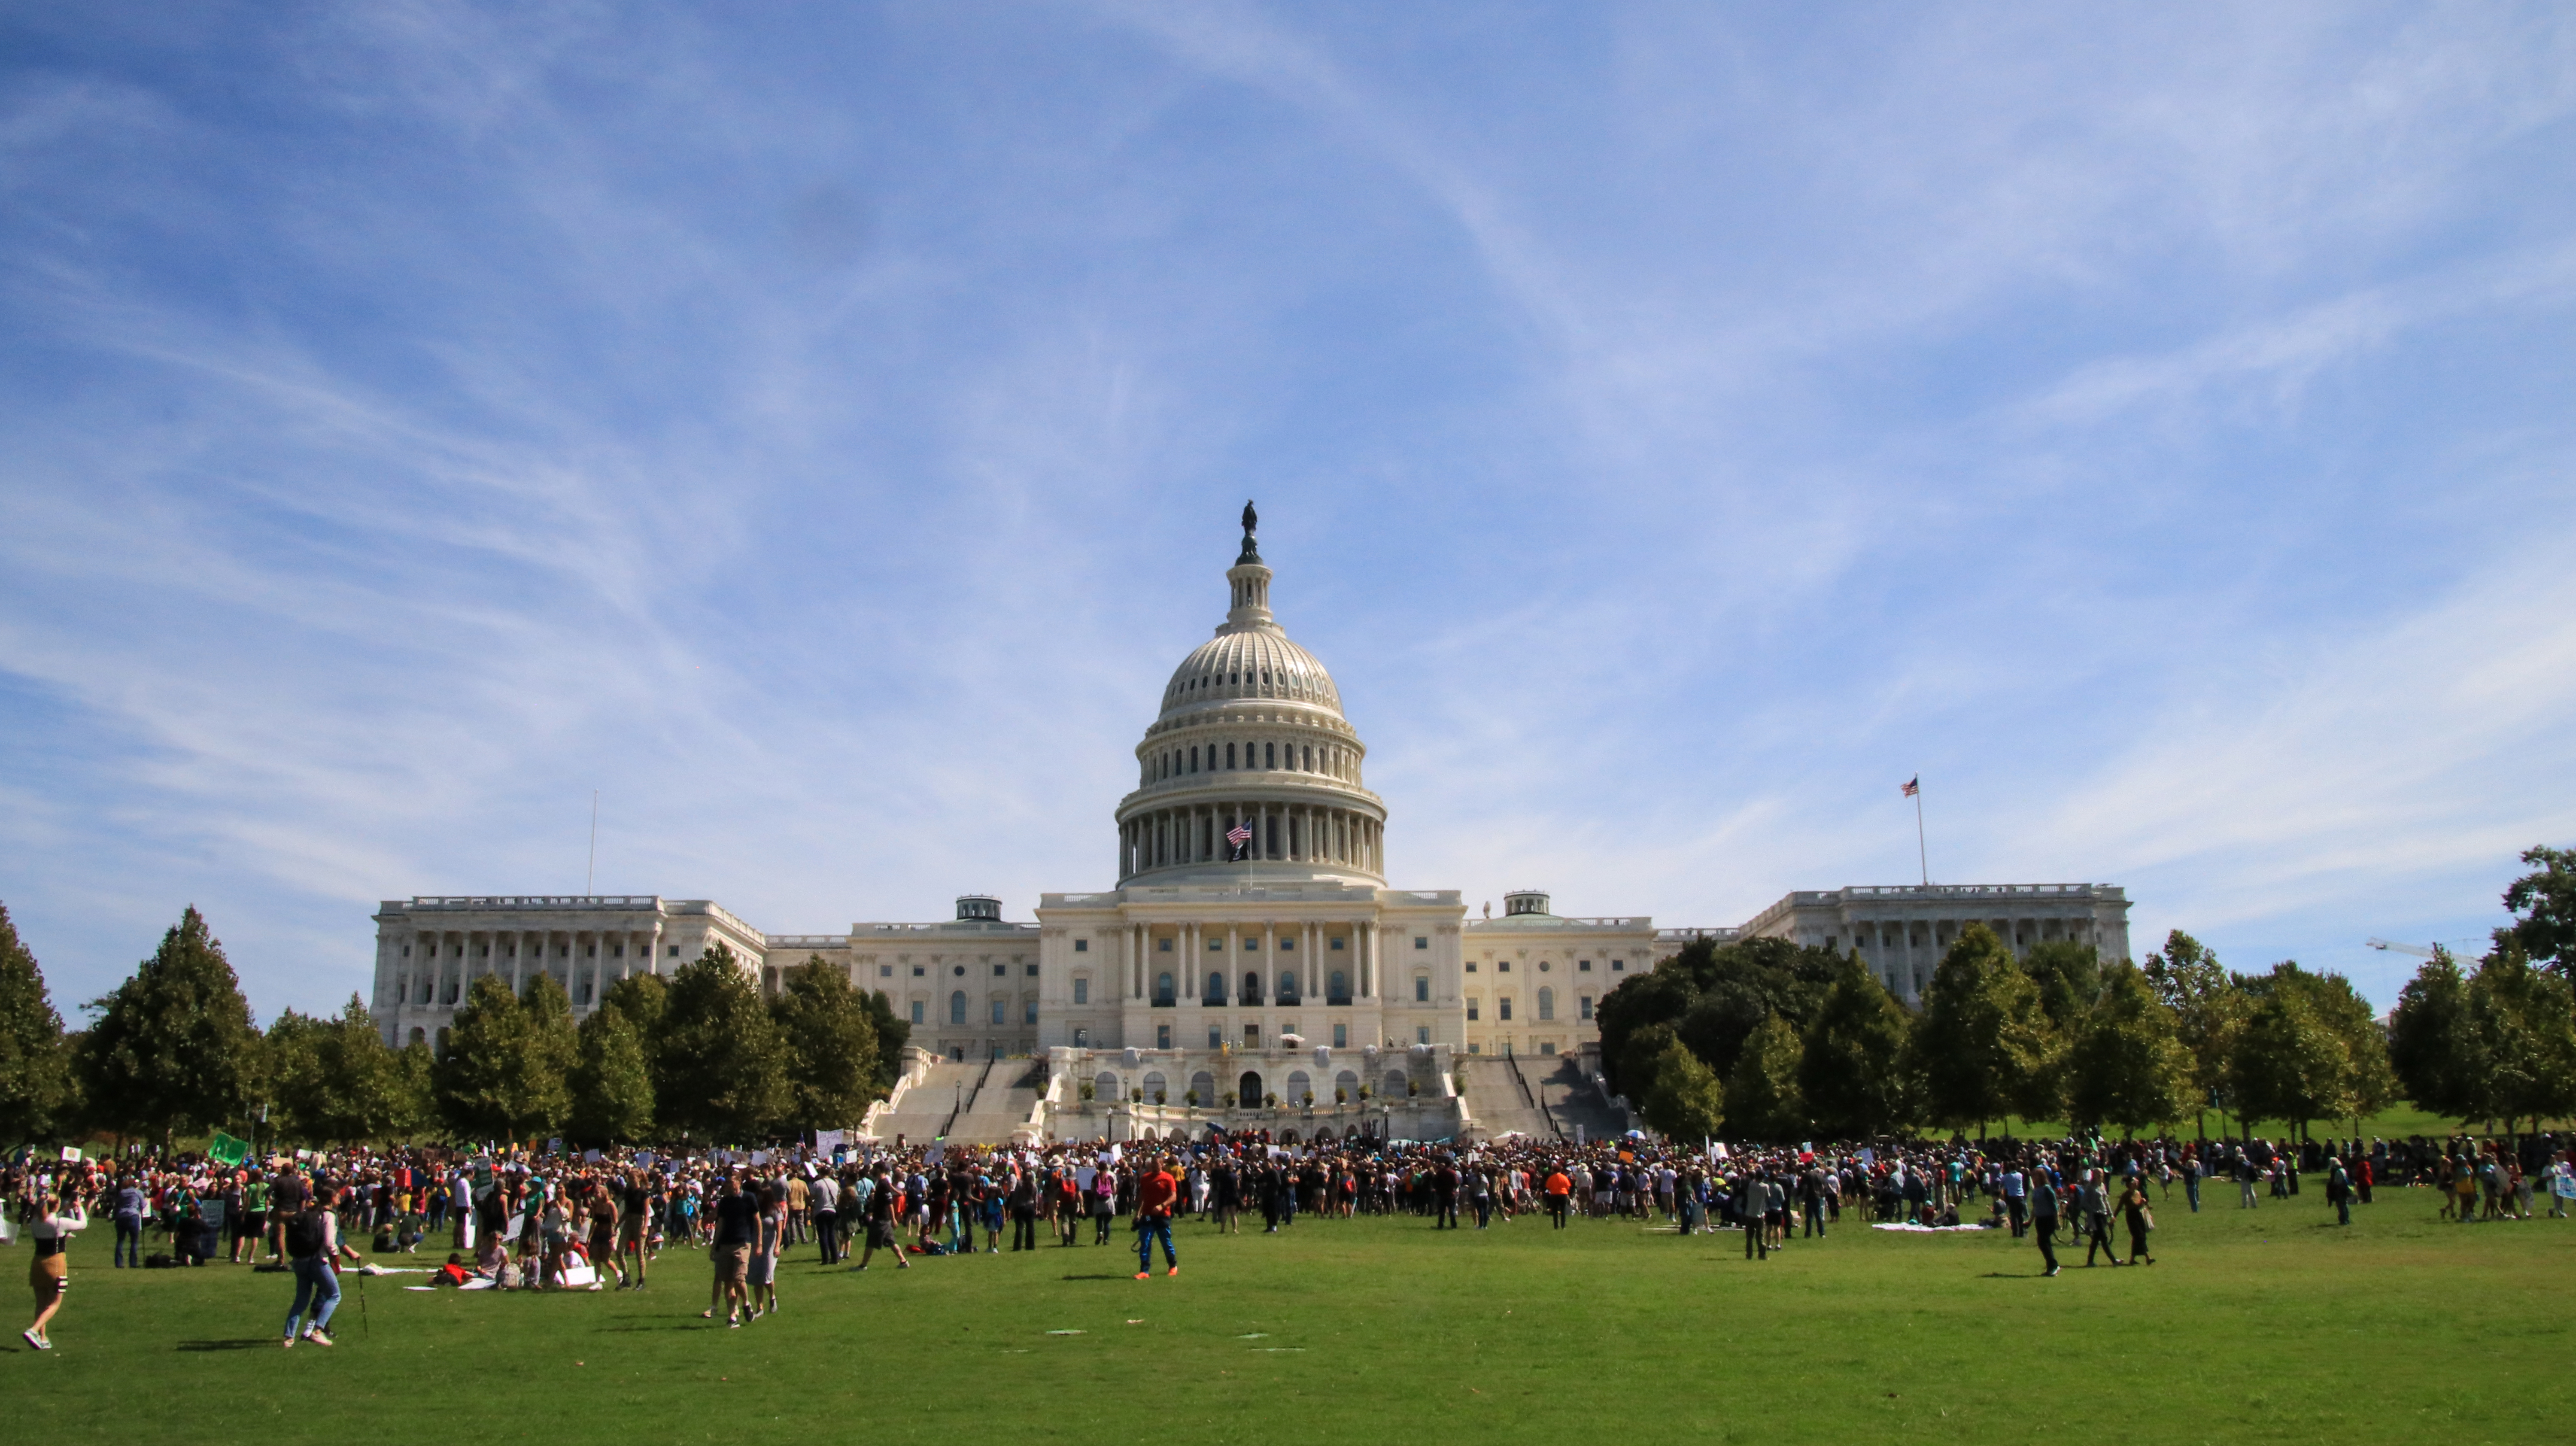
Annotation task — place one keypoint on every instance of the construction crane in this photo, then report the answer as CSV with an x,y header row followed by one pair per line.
x,y
2420,951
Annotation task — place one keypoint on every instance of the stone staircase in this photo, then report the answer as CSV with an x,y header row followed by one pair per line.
x,y
1499,1101
1572,1098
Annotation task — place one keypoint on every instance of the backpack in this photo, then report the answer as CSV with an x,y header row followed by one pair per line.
x,y
304,1234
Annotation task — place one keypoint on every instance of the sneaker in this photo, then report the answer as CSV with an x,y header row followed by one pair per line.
x,y
1144,1275
42,1343
317,1338
1175,1270
732,1324
2051,1273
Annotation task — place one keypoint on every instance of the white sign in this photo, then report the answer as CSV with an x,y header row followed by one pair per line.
x,y
827,1142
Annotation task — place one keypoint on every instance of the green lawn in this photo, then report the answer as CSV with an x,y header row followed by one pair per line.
x,y
2264,1323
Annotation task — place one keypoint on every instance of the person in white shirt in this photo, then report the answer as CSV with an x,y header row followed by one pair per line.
x,y
50,1222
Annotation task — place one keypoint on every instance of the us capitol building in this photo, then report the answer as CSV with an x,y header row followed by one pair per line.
x,y
1252,948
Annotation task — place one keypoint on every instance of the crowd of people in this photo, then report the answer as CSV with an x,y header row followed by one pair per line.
x,y
549,1220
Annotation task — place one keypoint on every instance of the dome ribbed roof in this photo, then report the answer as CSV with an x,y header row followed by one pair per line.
x,y
1255,662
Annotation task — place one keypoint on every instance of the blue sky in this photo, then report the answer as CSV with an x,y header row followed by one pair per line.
x,y
820,430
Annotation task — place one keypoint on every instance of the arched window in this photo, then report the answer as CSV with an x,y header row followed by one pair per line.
x,y
1229,755
1270,755
1106,1086
1503,1007
1215,990
1248,1089
1001,1011
1163,988
1287,986
1194,758
1252,989
1348,1083
1299,1086
1395,1084
957,1007
1546,1003
1154,1090
1338,988
1309,764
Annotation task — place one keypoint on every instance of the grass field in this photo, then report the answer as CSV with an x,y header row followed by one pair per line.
x,y
2271,1323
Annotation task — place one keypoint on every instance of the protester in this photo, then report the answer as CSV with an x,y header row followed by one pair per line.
x,y
314,1248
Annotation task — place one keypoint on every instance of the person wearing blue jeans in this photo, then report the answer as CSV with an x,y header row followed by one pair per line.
x,y
129,1225
313,1246
1156,1193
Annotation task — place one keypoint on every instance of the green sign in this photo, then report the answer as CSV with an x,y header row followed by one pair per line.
x,y
228,1151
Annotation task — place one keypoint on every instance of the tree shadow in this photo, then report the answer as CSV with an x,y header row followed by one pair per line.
x,y
252,1343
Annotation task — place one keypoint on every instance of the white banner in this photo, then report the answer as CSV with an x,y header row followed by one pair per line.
x,y
827,1142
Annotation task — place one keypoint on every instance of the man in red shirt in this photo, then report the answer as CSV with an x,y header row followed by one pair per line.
x,y
1155,1192
1559,1188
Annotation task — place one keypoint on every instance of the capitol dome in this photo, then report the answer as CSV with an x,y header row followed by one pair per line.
x,y
1250,739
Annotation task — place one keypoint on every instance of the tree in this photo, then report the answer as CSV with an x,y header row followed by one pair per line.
x,y
36,1097
2523,1024
1713,996
2209,1009
892,1033
1762,1093
505,1070
642,998
831,1045
334,1081
612,1082
173,1049
721,1069
2068,976
2128,1067
2310,1050
1982,1042
1853,1069
2544,906
1682,1099
2432,1044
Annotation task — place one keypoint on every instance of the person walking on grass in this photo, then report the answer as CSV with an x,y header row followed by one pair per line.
x,y
50,1221
314,1248
2095,1199
2140,1219
760,1276
1156,1192
737,1227
2339,1190
878,1206
638,1208
2043,1215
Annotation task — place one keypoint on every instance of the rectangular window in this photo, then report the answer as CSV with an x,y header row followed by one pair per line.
x,y
1618,966
1341,1036
1001,971
1082,946
1001,1011
1214,944
1503,1008
1081,991
916,1011
1162,1036
1582,966
1032,1012
1504,967
1252,1036
917,971
1033,971
1586,1003
1163,945
885,971
1422,989
1472,1008
1287,941
1471,966
1422,1034
1216,1036
1421,943
1337,942
1474,1048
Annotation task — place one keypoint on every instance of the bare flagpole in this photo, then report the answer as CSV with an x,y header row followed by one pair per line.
x,y
590,871
1922,855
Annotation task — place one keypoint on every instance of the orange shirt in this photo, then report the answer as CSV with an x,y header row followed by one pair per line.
x,y
1557,1184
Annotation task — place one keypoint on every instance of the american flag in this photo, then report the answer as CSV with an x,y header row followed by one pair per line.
x,y
1911,787
1238,836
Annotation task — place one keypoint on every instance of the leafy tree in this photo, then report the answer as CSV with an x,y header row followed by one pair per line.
x,y
504,1071
2068,976
2209,1010
612,1082
1762,1093
1852,1072
36,1097
831,1045
642,998
1982,1044
721,1068
2432,1044
2128,1067
1682,1099
2544,906
2310,1050
173,1049
892,1033
334,1081
1713,996
2523,1022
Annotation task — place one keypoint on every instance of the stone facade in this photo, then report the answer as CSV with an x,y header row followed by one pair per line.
x,y
1252,931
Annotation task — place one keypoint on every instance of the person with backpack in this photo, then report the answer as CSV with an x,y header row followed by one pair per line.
x,y
313,1248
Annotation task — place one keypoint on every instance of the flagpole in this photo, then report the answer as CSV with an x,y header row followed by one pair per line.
x,y
1922,855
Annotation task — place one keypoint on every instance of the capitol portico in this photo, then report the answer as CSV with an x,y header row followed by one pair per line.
x,y
1251,941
